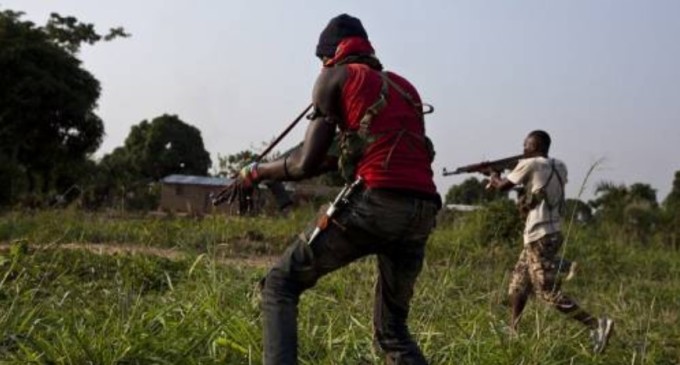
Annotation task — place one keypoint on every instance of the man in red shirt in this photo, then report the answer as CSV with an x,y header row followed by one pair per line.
x,y
379,118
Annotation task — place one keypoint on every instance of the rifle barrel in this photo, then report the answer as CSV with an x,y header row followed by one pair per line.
x,y
503,164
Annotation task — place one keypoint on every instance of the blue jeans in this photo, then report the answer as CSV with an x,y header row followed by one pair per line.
x,y
395,228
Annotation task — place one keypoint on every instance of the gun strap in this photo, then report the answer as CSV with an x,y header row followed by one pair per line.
x,y
365,123
561,203
553,172
376,107
405,95
373,110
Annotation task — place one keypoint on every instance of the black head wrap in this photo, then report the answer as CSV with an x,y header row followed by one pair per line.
x,y
340,27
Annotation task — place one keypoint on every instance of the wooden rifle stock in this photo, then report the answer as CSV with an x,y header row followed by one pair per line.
x,y
340,201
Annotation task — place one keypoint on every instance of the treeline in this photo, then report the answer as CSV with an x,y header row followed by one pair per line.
x,y
49,132
632,213
49,129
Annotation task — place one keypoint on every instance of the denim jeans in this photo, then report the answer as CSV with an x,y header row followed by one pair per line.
x,y
390,225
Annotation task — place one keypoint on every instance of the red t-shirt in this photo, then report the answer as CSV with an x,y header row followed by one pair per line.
x,y
399,158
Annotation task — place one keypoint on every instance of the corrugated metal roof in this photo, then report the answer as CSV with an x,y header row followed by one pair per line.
x,y
462,207
196,180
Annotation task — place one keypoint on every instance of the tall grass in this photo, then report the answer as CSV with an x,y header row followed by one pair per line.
x,y
74,226
78,307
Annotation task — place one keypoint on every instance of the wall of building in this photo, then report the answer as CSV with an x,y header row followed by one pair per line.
x,y
192,199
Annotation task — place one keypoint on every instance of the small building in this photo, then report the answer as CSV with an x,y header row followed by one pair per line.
x,y
462,207
192,194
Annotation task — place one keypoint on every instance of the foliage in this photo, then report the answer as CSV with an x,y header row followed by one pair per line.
x,y
13,179
578,210
68,33
230,165
47,102
473,192
610,201
108,180
643,193
75,226
127,177
166,145
61,306
671,213
672,201
497,222
634,208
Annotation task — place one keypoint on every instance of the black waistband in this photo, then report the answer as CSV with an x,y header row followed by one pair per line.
x,y
417,194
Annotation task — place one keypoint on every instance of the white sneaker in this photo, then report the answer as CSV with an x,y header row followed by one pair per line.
x,y
572,271
600,335
566,268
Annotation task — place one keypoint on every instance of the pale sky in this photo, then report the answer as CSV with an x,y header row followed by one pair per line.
x,y
601,76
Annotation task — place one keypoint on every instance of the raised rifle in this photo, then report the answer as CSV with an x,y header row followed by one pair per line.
x,y
500,165
340,201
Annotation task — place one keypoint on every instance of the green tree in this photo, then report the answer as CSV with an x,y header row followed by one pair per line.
x,y
610,202
472,192
579,210
110,178
69,33
47,101
643,193
497,222
633,209
165,146
127,177
672,201
671,213
229,165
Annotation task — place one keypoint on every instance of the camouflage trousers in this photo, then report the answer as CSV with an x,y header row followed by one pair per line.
x,y
536,271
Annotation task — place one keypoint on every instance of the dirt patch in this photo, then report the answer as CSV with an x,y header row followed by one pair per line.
x,y
168,253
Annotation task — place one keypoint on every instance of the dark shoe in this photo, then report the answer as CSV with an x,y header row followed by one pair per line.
x,y
600,335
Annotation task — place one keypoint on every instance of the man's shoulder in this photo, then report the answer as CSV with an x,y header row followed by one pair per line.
x,y
539,163
397,77
402,81
561,168
327,87
559,164
332,75
547,164
543,161
528,163
523,168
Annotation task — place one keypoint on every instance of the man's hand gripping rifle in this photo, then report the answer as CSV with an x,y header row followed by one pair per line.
x,y
487,167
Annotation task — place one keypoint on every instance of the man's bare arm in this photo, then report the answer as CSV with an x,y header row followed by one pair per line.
x,y
306,161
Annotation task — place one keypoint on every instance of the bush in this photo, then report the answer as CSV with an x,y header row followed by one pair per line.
x,y
497,222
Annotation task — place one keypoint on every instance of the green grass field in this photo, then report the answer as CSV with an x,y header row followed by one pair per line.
x,y
185,293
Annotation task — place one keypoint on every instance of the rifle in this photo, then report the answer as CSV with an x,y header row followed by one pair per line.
x,y
507,163
340,201
221,196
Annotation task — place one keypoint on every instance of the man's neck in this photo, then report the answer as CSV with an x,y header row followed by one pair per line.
x,y
537,154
